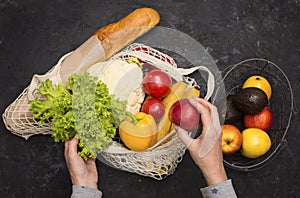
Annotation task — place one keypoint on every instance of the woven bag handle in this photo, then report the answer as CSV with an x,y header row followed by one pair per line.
x,y
53,75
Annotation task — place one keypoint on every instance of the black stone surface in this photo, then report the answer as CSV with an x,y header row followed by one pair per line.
x,y
34,34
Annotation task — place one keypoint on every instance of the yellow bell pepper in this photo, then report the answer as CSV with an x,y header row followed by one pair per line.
x,y
138,132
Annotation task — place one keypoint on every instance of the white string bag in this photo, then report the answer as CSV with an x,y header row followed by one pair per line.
x,y
160,160
156,162
17,116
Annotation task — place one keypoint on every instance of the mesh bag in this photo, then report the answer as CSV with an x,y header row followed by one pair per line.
x,y
17,117
158,161
281,104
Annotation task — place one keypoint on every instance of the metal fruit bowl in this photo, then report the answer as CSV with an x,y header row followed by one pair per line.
x,y
281,103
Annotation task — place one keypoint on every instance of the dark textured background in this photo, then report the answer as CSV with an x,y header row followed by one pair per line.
x,y
34,34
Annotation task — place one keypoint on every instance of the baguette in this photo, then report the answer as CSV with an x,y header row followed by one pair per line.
x,y
116,36
107,41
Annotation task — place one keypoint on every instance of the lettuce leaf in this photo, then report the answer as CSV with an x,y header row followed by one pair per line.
x,y
84,107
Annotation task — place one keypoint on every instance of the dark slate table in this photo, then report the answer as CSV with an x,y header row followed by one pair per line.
x,y
34,34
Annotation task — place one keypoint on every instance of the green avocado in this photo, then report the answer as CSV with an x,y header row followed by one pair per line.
x,y
250,100
232,114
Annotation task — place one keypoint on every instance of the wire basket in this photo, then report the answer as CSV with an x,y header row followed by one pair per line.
x,y
281,103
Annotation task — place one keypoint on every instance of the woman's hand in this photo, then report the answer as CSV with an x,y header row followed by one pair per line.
x,y
206,150
83,173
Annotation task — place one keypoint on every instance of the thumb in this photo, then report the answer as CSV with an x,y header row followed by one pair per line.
x,y
184,136
73,144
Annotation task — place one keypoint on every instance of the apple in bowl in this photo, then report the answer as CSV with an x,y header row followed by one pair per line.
x,y
231,139
262,120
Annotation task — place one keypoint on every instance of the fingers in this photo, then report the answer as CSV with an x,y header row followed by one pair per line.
x,y
91,162
204,112
71,146
184,136
209,112
212,131
205,103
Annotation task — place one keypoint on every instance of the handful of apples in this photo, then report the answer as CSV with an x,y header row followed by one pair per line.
x,y
254,140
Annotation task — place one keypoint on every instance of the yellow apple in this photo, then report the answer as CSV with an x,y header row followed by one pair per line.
x,y
231,139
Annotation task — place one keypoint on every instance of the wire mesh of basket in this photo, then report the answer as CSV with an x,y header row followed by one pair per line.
x,y
281,103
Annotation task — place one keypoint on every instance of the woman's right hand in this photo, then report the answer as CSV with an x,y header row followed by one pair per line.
x,y
206,150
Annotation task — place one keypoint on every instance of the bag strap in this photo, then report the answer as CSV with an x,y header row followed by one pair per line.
x,y
210,78
53,75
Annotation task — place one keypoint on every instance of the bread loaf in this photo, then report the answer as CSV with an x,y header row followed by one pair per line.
x,y
117,35
107,41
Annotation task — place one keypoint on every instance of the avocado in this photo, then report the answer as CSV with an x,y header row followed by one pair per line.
x,y
250,100
232,114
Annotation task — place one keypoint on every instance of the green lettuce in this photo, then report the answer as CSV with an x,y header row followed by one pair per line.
x,y
84,107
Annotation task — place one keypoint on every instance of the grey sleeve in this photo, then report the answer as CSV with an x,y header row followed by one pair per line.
x,y
85,192
221,190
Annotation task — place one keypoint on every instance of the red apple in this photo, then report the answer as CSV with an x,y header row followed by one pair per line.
x,y
157,83
183,114
154,107
231,139
262,120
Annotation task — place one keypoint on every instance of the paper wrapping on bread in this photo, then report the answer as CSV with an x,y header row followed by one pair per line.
x,y
108,40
